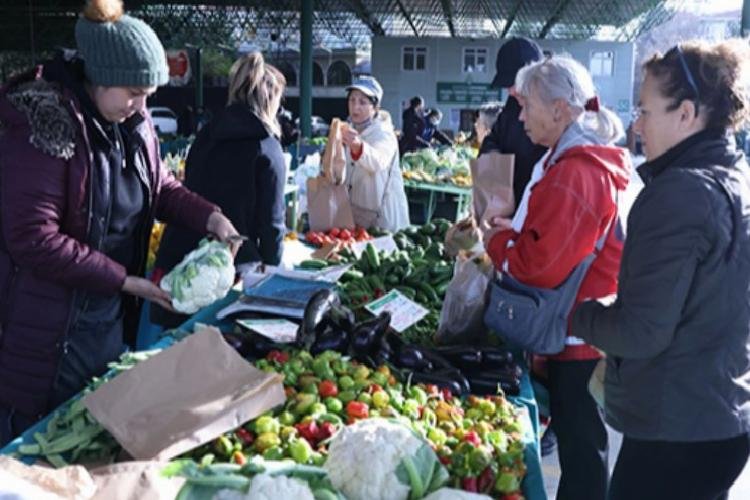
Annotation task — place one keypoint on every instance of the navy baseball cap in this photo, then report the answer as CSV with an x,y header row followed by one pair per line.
x,y
512,56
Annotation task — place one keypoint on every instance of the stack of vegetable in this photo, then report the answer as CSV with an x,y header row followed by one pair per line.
x,y
420,270
336,235
477,439
444,165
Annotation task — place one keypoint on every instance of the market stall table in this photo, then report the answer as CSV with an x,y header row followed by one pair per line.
x,y
463,195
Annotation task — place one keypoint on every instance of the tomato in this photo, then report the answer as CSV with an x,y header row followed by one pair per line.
x,y
345,234
277,356
357,409
334,232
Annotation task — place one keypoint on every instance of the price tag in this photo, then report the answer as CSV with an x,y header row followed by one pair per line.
x,y
404,312
281,331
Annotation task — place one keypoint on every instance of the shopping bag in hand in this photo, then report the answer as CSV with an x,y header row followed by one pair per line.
x,y
492,191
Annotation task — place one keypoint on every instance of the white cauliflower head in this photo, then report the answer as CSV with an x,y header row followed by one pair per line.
x,y
453,494
268,487
363,458
205,275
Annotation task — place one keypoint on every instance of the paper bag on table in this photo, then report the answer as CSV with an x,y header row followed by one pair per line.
x,y
44,483
328,205
492,191
183,397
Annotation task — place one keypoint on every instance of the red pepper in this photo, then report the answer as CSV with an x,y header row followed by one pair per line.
x,y
473,438
309,431
469,484
277,356
445,459
373,388
357,409
447,394
326,430
327,389
486,480
513,496
245,436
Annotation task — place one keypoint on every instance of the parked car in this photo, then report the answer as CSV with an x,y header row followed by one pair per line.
x,y
319,126
165,120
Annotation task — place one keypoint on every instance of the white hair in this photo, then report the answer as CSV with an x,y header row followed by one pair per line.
x,y
488,113
561,77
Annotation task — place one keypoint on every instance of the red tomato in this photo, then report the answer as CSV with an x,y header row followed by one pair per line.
x,y
334,232
345,234
327,389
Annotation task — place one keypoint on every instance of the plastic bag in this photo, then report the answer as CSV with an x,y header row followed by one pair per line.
x,y
461,318
463,235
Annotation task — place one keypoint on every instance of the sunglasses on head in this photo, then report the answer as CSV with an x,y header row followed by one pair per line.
x,y
688,75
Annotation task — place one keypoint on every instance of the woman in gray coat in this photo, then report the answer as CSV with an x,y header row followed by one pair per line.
x,y
677,383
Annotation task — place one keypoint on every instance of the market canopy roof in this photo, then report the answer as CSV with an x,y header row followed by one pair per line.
x,y
274,24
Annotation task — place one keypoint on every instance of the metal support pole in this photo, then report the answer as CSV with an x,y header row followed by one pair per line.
x,y
306,66
745,21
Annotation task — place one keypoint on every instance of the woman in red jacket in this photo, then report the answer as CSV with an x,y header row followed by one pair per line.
x,y
568,205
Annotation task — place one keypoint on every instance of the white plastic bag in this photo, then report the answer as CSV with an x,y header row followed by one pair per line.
x,y
461,318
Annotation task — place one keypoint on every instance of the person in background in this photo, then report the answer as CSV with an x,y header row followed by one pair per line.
x,y
237,162
508,135
81,183
677,381
412,126
570,203
373,172
431,132
289,132
486,117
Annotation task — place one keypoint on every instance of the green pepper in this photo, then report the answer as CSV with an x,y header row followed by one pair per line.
x,y
479,459
379,378
418,394
361,373
267,424
474,414
334,405
322,369
346,382
287,432
498,439
304,402
410,408
274,453
365,398
346,396
437,436
267,440
300,451
318,458
286,418
507,482
318,409
310,388
223,446
296,366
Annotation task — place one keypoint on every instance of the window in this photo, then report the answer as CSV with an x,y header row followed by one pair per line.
x,y
602,64
339,74
317,75
475,60
414,58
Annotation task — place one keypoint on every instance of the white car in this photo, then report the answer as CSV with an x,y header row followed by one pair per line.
x,y
319,126
165,120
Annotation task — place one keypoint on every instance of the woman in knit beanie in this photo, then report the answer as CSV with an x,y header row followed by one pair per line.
x,y
81,183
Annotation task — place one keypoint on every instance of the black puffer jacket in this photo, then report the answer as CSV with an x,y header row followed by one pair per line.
x,y
509,137
678,365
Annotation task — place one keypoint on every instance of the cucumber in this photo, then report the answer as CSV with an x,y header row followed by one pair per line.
x,y
313,264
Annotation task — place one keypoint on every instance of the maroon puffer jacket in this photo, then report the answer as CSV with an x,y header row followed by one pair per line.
x,y
44,165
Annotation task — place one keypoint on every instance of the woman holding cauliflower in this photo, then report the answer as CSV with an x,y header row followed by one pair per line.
x,y
81,183
373,173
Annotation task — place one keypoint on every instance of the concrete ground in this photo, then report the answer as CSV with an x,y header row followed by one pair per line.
x,y
551,471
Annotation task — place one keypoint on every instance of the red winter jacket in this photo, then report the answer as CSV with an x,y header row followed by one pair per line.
x,y
568,211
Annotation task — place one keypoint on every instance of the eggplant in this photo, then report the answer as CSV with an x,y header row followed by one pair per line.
x,y
506,372
465,357
333,339
496,357
459,377
316,310
411,357
342,317
261,345
482,385
367,335
441,380
438,361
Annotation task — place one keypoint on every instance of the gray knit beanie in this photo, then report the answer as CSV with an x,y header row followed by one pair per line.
x,y
119,50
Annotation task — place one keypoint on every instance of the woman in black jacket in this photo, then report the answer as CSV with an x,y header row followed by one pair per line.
x,y
677,337
237,163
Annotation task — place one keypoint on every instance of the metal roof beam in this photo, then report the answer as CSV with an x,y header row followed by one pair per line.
x,y
448,13
361,11
554,18
511,18
491,15
407,16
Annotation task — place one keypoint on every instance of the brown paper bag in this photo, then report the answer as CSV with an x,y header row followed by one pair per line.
x,y
328,205
135,481
333,164
183,397
492,178
73,482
